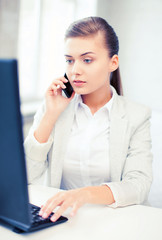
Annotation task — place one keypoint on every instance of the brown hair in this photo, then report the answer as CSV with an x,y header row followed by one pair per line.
x,y
92,25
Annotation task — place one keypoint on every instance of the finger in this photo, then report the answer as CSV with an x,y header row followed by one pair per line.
x,y
56,88
63,79
58,84
49,206
52,203
60,211
52,91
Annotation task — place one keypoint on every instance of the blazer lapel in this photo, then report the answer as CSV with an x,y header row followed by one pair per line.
x,y
61,134
118,128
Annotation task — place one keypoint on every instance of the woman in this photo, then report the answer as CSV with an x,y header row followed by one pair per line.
x,y
95,144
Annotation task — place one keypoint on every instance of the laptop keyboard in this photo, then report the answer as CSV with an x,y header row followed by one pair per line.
x,y
38,222
36,219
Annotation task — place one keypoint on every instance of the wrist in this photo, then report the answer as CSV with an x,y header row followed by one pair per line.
x,y
45,127
99,195
51,117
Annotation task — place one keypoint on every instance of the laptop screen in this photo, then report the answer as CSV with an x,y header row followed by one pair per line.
x,y
14,206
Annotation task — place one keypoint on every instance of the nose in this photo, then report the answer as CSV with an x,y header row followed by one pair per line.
x,y
76,69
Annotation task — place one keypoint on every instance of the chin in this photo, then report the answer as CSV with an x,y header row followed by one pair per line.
x,y
80,91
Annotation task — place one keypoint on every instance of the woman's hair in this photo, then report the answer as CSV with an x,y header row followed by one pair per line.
x,y
91,26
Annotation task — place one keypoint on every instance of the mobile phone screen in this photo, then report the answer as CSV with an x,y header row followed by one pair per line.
x,y
68,90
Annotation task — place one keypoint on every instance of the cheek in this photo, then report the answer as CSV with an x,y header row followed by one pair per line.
x,y
99,71
93,70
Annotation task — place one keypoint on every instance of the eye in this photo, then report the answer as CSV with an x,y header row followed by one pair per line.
x,y
69,61
87,60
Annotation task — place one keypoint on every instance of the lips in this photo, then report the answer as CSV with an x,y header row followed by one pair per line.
x,y
79,83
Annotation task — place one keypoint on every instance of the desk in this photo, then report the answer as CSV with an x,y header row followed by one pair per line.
x,y
95,222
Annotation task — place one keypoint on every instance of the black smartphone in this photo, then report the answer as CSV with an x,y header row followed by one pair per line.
x,y
68,90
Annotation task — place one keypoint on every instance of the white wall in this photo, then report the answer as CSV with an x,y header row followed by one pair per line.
x,y
9,23
138,25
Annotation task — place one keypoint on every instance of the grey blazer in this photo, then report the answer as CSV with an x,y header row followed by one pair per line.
x,y
129,150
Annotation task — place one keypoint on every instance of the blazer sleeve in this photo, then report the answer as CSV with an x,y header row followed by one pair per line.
x,y
136,179
36,153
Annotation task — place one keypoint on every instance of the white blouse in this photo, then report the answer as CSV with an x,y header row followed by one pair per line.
x,y
87,157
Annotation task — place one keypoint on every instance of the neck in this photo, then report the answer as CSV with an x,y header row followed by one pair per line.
x,y
98,99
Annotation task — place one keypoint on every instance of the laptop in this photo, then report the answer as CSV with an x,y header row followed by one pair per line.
x,y
15,208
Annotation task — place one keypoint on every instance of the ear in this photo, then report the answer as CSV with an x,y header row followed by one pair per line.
x,y
114,63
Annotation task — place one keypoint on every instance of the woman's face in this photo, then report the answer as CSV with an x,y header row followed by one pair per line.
x,y
88,65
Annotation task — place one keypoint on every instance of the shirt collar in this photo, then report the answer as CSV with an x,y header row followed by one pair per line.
x,y
78,101
108,105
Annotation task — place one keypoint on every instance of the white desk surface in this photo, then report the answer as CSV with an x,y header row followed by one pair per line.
x,y
95,222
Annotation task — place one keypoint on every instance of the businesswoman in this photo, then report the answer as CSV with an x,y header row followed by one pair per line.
x,y
95,144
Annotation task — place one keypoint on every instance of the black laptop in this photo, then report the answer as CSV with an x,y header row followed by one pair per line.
x,y
15,208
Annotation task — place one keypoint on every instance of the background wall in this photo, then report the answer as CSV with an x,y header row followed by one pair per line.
x,y
138,25
9,24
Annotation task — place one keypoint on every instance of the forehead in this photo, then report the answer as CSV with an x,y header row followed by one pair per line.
x,y
79,45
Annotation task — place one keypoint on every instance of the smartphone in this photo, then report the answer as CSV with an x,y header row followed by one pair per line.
x,y
68,90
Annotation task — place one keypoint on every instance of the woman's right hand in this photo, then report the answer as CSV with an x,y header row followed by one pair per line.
x,y
55,105
55,101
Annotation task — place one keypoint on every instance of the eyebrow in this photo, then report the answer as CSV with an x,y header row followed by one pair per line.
x,y
81,54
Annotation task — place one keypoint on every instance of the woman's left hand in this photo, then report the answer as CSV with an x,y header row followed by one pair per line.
x,y
65,199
